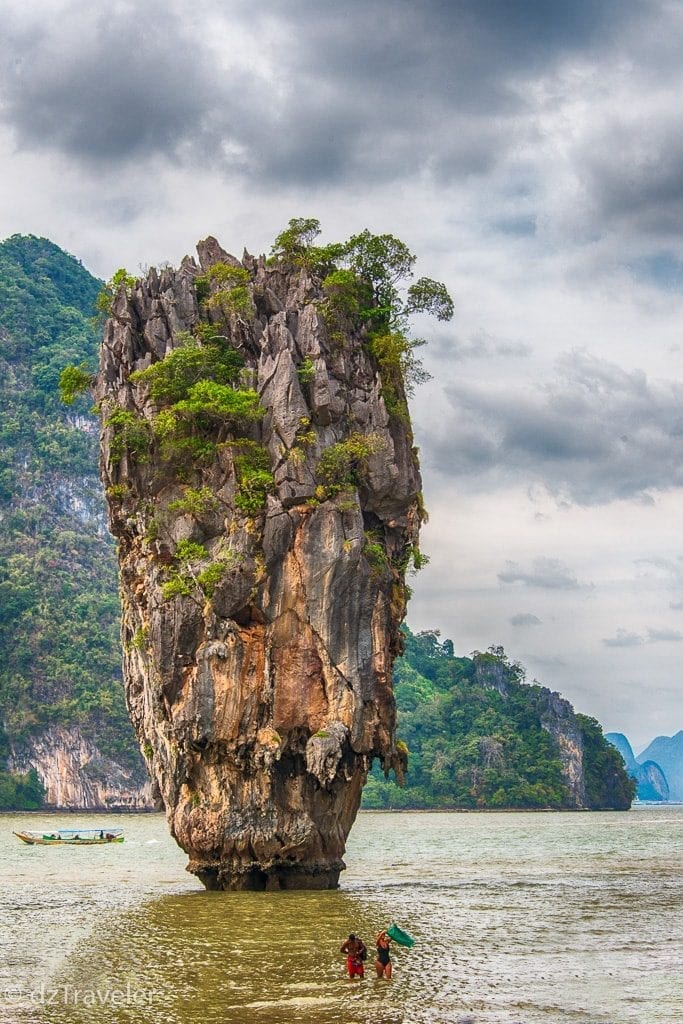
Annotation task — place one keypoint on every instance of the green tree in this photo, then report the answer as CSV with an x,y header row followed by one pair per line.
x,y
121,279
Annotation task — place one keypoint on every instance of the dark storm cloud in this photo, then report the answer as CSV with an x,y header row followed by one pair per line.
x,y
633,172
103,83
370,90
596,434
525,619
546,573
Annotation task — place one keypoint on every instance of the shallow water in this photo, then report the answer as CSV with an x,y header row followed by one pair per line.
x,y
518,919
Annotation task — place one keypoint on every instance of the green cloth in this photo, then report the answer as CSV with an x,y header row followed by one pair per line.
x,y
400,937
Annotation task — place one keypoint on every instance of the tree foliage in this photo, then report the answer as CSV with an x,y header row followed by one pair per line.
x,y
59,612
363,280
169,380
195,387
74,381
106,296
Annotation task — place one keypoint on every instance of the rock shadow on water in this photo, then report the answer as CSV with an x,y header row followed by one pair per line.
x,y
200,958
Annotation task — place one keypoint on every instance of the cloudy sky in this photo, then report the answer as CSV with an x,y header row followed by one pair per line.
x,y
531,153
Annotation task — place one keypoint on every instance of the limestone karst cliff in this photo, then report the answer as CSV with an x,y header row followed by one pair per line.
x,y
75,774
62,709
480,736
652,783
265,494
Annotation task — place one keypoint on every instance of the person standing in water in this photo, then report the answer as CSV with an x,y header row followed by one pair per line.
x,y
356,951
383,961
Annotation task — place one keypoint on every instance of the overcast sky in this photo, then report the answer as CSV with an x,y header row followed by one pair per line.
x,y
531,153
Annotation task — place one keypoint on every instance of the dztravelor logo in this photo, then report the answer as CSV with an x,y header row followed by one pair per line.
x,y
69,995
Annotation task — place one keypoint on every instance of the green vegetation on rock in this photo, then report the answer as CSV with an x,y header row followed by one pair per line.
x,y
362,280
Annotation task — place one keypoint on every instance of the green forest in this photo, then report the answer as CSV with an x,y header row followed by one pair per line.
x,y
474,741
59,611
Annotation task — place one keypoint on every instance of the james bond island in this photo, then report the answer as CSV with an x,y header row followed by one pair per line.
x,y
263,486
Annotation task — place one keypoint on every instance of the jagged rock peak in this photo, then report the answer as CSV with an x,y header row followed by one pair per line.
x,y
262,484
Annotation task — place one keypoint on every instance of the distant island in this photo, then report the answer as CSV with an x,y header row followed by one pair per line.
x,y
479,737
657,770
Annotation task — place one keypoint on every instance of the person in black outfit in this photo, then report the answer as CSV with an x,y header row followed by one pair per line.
x,y
383,961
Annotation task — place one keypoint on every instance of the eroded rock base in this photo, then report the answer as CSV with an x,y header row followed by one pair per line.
x,y
275,879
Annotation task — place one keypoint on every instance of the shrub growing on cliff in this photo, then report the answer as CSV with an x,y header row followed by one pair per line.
x,y
196,386
73,382
344,465
194,577
306,372
254,477
170,379
295,245
131,434
196,502
208,400
232,294
375,554
105,299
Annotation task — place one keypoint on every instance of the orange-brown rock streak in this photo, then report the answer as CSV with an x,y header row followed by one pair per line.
x,y
259,627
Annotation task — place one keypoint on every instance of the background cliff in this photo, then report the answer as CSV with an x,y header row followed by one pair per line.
x,y
62,713
651,781
667,752
480,737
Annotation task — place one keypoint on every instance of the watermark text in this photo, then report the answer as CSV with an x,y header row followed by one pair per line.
x,y
71,995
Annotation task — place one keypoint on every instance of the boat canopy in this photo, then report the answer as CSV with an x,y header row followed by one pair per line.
x,y
76,831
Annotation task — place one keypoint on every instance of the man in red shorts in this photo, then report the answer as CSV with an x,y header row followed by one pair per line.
x,y
356,953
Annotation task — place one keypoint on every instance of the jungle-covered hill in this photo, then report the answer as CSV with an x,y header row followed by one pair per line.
x,y
59,614
480,737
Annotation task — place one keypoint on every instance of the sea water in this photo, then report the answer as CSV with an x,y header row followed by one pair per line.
x,y
517,919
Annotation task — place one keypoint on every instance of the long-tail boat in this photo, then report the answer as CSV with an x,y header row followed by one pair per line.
x,y
72,837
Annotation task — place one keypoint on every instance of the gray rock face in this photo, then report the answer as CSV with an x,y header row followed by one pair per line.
x,y
76,775
259,700
560,721
652,783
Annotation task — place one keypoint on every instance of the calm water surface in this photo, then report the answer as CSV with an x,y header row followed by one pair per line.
x,y
518,919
